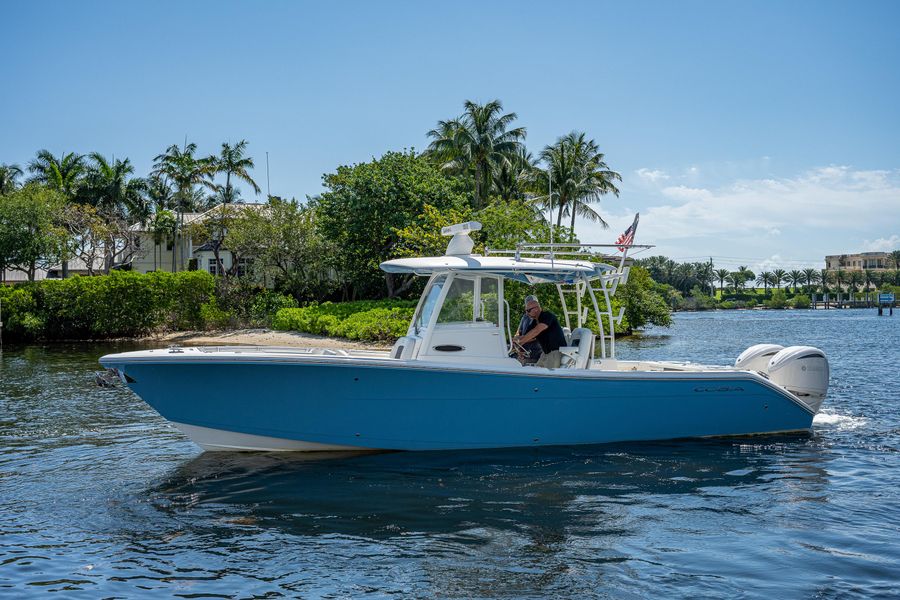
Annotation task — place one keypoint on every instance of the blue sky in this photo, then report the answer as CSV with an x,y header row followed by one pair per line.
x,y
754,133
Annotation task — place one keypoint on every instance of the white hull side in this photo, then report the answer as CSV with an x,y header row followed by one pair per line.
x,y
220,440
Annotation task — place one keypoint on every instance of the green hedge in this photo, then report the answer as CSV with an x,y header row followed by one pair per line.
x,y
382,321
121,304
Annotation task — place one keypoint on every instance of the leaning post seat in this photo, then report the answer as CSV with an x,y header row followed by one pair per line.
x,y
581,348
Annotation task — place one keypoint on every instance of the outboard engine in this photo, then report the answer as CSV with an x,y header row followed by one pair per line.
x,y
803,371
756,358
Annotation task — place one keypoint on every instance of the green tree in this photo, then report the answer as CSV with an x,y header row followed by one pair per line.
x,y
479,142
30,234
108,185
706,276
162,227
795,277
89,234
735,279
233,162
765,278
62,173
746,275
810,277
283,242
579,175
839,277
780,277
642,304
869,281
514,178
855,281
894,259
186,171
721,276
364,206
9,175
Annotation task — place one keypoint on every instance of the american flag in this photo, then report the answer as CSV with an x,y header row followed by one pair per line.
x,y
628,236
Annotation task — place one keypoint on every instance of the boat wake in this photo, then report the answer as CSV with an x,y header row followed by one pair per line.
x,y
839,421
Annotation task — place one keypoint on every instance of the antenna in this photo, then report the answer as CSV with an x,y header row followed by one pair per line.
x,y
550,181
268,186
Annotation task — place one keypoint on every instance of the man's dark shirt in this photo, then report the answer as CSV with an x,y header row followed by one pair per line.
x,y
526,324
553,337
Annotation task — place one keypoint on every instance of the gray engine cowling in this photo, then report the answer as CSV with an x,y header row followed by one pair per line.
x,y
756,358
803,371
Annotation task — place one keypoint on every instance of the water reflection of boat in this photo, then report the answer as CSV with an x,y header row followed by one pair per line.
x,y
450,383
545,493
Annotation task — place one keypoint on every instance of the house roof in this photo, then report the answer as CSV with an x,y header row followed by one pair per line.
x,y
193,217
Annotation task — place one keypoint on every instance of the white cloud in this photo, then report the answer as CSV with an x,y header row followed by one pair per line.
x,y
882,244
826,210
652,175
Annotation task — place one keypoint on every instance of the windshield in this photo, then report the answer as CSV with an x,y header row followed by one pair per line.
x,y
424,316
459,305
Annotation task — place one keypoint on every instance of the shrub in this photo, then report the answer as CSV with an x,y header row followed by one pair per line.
x,y
19,312
801,301
215,317
383,320
266,304
778,300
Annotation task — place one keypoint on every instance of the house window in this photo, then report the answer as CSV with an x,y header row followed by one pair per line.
x,y
243,267
214,267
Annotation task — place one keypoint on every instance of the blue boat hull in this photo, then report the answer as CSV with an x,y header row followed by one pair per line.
x,y
429,407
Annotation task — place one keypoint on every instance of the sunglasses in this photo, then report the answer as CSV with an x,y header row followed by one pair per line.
x,y
528,310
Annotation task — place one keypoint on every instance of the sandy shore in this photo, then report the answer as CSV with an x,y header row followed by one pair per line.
x,y
260,337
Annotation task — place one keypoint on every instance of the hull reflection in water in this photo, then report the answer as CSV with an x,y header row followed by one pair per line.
x,y
546,493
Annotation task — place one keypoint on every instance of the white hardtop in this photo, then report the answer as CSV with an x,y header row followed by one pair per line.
x,y
529,270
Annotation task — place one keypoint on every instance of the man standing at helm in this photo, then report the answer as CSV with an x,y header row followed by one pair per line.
x,y
546,330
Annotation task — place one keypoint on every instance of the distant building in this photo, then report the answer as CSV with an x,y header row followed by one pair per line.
x,y
864,261
159,253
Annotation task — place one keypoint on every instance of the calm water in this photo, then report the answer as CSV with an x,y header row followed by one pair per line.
x,y
99,498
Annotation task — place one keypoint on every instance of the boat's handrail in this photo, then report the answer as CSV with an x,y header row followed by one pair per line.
x,y
590,290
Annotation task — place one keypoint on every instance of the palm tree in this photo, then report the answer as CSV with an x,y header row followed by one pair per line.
x,y
109,187
765,278
233,163
870,278
185,171
855,281
746,275
894,259
722,275
514,176
825,278
810,276
478,141
579,176
162,226
780,277
61,173
795,277
735,279
839,277
8,176
160,193
706,276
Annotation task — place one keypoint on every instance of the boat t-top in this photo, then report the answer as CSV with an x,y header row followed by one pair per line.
x,y
451,383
